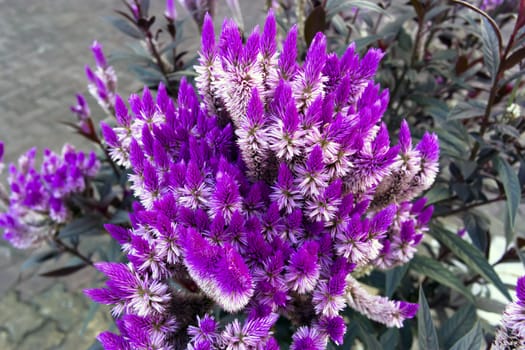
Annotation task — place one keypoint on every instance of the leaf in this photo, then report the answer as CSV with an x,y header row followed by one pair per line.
x,y
335,7
124,26
491,54
439,273
39,258
389,339
435,12
427,336
471,256
512,187
93,308
144,8
467,110
457,325
120,217
490,305
477,225
393,277
515,58
369,340
182,73
96,346
316,22
85,225
437,193
64,271
471,341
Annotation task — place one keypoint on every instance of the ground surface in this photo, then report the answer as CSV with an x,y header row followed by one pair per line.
x,y
43,49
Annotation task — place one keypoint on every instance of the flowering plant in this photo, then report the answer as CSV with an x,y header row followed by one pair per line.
x,y
266,207
268,198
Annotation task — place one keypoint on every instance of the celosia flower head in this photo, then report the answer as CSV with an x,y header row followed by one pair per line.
x,y
38,198
264,197
511,334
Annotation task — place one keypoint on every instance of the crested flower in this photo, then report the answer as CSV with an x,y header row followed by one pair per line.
x,y
511,334
103,80
262,196
39,200
378,308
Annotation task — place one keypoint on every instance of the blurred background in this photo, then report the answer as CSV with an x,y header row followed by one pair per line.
x,y
44,47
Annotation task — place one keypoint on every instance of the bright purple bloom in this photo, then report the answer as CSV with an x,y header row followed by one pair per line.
x,y
171,12
511,334
38,199
308,339
264,194
102,83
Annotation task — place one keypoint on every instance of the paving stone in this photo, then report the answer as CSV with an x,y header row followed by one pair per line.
x,y
47,337
5,256
43,49
64,307
18,318
4,339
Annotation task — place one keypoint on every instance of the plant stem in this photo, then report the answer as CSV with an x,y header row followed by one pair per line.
x,y
73,251
470,206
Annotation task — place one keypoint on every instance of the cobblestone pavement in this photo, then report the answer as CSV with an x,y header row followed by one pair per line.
x,y
43,49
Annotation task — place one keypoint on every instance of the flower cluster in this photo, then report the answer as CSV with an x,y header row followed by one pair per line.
x,y
489,5
511,334
103,81
38,200
266,197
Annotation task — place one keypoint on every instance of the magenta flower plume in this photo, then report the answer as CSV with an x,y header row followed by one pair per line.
x,y
102,82
261,195
511,334
39,198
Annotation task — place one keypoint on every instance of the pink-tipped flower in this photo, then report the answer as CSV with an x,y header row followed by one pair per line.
x,y
170,12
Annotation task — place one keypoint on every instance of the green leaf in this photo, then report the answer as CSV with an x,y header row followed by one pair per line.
x,y
467,110
335,7
457,325
86,225
491,54
369,340
124,26
393,277
389,339
439,273
512,187
490,305
182,73
471,256
39,258
471,341
437,193
427,336
477,225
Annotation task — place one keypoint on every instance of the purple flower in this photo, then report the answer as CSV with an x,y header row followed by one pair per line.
x,y
377,308
171,12
102,83
38,199
511,334
306,338
266,195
